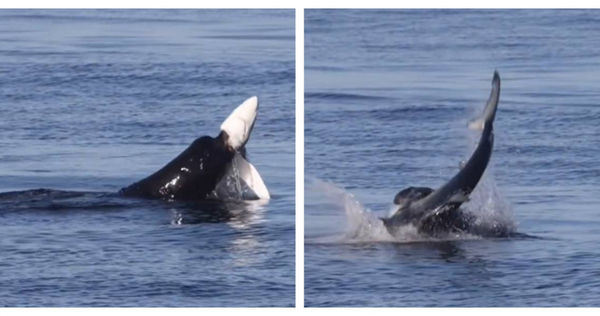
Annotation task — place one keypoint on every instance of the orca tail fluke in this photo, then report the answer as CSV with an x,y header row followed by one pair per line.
x,y
238,125
256,183
241,181
489,112
464,182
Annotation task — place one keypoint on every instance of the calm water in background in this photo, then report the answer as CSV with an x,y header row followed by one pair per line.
x,y
94,100
388,98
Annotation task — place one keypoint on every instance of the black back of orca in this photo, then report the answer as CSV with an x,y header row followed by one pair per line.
x,y
190,176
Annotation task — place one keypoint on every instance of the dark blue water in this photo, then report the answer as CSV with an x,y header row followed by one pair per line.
x,y
388,97
91,101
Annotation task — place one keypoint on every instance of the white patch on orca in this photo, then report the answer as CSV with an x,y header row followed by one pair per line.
x,y
253,180
459,197
477,125
239,123
167,187
241,182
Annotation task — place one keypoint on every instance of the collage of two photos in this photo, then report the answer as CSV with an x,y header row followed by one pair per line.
x,y
148,158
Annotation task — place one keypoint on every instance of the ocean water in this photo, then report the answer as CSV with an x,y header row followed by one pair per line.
x,y
388,97
92,101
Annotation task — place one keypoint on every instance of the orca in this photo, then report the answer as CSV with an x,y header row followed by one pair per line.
x,y
437,212
210,168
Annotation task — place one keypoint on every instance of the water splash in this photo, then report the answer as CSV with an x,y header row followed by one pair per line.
x,y
491,212
362,225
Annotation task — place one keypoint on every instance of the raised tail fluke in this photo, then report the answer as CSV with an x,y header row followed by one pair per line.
x,y
463,183
489,113
238,125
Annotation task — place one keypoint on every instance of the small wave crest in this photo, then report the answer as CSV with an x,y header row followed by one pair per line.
x,y
342,96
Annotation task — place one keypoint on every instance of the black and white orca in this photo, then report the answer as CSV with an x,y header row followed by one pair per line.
x,y
437,212
210,168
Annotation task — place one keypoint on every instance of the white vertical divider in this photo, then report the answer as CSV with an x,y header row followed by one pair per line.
x,y
299,157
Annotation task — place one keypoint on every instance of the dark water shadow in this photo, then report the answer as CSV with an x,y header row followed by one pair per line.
x,y
186,212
